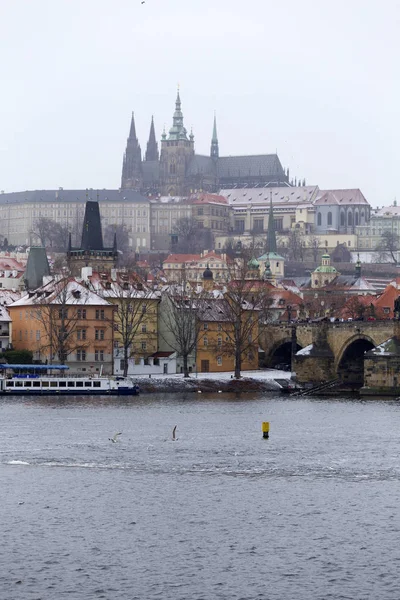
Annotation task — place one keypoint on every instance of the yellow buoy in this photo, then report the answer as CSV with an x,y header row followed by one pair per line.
x,y
265,429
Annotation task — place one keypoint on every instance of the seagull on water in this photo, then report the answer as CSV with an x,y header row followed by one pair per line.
x,y
173,432
115,437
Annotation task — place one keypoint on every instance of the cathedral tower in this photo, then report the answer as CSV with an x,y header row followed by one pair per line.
x,y
132,177
176,152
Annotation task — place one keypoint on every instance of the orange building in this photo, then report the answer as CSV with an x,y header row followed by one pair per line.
x,y
66,323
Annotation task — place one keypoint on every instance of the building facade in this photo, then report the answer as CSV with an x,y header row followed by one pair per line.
x,y
20,212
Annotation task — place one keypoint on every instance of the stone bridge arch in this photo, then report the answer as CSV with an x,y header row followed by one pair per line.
x,y
349,362
281,353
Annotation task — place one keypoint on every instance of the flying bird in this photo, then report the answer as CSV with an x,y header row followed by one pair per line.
x,y
173,432
115,437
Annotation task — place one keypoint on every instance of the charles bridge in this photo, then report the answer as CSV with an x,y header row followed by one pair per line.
x,y
332,350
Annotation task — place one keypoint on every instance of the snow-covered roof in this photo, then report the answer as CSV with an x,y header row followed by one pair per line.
x,y
69,292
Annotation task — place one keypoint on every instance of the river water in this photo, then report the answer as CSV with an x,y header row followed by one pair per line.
x,y
220,513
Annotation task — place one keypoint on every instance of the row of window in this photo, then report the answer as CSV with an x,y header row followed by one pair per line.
x,y
350,219
98,355
54,384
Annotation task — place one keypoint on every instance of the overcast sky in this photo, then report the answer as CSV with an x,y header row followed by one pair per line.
x,y
316,81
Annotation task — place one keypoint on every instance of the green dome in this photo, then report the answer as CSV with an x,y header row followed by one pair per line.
x,y
325,269
253,263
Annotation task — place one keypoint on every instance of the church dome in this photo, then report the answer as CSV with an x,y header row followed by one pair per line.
x,y
253,263
208,273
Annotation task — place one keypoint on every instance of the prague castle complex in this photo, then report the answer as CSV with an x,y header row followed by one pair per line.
x,y
229,195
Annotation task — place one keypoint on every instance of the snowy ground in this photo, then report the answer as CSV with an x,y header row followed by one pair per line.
x,y
262,374
210,382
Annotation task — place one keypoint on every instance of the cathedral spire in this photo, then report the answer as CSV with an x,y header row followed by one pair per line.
x,y
271,239
132,132
214,140
177,131
132,163
152,148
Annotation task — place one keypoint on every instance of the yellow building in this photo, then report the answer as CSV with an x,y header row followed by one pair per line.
x,y
135,317
215,346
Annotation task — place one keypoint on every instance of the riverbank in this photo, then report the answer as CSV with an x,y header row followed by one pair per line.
x,y
251,381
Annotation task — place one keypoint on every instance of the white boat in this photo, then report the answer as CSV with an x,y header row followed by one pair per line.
x,y
36,381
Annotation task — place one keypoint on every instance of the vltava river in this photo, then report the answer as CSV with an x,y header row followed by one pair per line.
x,y
311,513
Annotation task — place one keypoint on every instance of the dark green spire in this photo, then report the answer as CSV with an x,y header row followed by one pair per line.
x,y
177,131
214,141
271,239
358,267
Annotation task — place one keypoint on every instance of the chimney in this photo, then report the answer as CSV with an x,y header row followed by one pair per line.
x,y
86,272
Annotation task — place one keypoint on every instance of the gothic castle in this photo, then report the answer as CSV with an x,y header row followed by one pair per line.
x,y
178,171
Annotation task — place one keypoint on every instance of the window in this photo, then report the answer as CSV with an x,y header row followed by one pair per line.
x,y
258,224
100,313
144,328
81,334
319,219
219,327
81,313
219,341
278,224
219,360
144,308
63,313
144,345
99,355
329,218
205,341
350,219
37,335
205,326
239,225
98,334
342,219
81,355
200,211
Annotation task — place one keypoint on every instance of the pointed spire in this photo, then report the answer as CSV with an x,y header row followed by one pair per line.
x,y
69,243
152,148
132,132
178,131
271,239
132,162
115,249
358,267
214,140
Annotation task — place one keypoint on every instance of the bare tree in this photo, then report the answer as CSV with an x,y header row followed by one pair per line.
x,y
122,234
313,242
134,312
296,244
246,305
190,238
51,233
179,324
59,311
389,244
355,308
